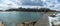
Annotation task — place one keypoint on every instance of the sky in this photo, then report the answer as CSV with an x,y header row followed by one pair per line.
x,y
7,4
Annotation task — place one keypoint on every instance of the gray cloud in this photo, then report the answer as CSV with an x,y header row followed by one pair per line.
x,y
33,3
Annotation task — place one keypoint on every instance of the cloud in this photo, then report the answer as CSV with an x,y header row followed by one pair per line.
x,y
52,4
44,0
32,2
10,3
18,3
3,6
6,4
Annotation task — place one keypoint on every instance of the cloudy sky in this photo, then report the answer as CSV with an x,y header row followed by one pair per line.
x,y
6,4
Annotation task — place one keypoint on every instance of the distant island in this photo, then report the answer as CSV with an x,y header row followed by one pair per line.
x,y
31,10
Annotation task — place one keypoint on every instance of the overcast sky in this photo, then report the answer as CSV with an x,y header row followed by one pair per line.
x,y
6,4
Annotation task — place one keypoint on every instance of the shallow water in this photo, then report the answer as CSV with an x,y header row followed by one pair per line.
x,y
12,18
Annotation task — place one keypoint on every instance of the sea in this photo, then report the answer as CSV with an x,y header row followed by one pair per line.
x,y
11,18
